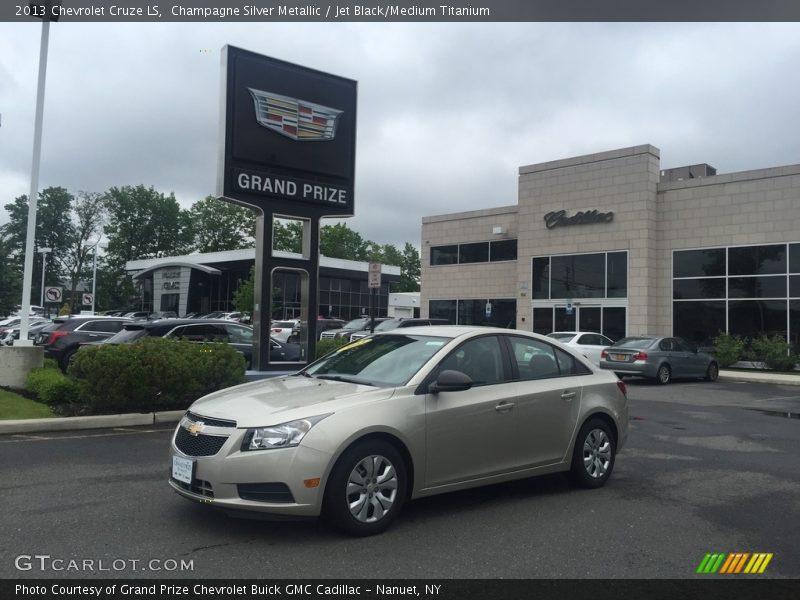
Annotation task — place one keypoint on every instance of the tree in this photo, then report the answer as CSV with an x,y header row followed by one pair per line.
x,y
144,223
288,236
339,241
87,222
410,269
9,280
244,296
220,225
53,227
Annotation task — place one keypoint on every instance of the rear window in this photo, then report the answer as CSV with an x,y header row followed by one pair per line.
x,y
634,342
561,337
126,336
283,324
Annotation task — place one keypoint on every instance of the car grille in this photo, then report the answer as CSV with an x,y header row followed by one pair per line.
x,y
198,445
265,492
326,335
210,421
198,486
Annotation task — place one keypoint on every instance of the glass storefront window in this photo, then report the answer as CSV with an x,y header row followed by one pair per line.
x,y
617,275
753,318
503,250
698,322
614,322
577,276
442,309
794,258
543,320
444,255
757,287
541,278
757,260
709,262
473,253
685,289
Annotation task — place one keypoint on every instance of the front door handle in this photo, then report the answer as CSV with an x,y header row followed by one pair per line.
x,y
567,396
504,406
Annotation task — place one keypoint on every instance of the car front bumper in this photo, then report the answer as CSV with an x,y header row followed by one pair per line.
x,y
221,480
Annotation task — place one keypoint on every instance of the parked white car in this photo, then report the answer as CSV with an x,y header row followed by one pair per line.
x,y
281,330
588,343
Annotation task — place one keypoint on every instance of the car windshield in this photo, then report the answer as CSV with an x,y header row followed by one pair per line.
x,y
634,342
381,361
561,337
356,324
388,325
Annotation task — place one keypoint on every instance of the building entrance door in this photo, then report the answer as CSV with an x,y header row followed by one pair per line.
x,y
579,318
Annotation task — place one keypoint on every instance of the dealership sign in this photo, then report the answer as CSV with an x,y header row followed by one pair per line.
x,y
559,218
289,137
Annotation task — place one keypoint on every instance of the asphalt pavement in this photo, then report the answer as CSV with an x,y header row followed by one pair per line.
x,y
709,467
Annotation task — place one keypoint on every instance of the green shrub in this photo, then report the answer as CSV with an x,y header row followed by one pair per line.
x,y
729,349
52,387
327,346
154,374
50,363
774,352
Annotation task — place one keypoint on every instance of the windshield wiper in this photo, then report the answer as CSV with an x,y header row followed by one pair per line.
x,y
345,379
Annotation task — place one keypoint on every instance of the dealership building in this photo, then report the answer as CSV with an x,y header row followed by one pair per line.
x,y
613,243
206,282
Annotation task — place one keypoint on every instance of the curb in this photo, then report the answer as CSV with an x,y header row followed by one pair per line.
x,y
93,422
759,377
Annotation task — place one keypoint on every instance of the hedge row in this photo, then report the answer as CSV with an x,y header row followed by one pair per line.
x,y
773,351
150,375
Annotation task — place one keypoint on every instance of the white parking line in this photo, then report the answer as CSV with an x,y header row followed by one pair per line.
x,y
20,437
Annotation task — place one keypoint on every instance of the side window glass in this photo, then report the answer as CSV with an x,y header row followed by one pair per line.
x,y
534,359
481,359
567,364
240,335
665,345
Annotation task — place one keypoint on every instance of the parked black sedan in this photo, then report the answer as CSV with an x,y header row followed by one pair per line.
x,y
206,330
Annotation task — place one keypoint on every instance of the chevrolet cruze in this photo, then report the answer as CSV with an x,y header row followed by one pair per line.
x,y
397,416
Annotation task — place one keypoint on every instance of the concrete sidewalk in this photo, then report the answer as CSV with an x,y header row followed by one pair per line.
x,y
140,419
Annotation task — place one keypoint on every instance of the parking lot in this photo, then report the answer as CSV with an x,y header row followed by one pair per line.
x,y
708,468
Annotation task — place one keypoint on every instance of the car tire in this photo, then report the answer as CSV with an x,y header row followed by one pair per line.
x,y
366,489
66,358
594,454
664,374
712,373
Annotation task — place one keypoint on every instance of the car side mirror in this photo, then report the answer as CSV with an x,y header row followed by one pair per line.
x,y
450,381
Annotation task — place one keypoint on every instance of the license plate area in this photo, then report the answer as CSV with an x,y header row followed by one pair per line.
x,y
619,357
182,469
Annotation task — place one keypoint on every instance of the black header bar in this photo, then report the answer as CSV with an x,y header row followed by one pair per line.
x,y
220,11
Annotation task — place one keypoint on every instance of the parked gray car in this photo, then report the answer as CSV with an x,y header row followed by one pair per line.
x,y
401,415
658,357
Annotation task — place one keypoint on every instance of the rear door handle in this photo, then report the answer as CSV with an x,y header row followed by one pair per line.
x,y
504,406
567,396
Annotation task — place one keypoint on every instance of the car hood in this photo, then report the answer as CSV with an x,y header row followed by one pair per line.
x,y
282,399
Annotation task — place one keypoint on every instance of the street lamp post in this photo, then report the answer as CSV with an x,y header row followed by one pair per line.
x,y
94,270
44,252
27,273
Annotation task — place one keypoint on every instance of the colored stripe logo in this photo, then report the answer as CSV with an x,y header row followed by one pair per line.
x,y
735,563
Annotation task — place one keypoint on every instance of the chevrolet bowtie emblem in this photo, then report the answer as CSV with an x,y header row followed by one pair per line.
x,y
195,428
299,120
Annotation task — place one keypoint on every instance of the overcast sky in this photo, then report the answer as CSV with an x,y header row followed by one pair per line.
x,y
447,112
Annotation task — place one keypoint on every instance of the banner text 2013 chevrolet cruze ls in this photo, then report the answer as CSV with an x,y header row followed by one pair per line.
x,y
397,416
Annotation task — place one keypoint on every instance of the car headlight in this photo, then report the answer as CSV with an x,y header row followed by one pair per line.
x,y
284,435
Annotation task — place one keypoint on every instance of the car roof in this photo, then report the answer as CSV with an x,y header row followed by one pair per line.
x,y
170,323
456,331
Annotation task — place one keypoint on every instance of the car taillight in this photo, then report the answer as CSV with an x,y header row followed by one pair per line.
x,y
622,387
55,335
604,354
640,356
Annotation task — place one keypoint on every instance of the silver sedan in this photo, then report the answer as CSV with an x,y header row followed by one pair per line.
x,y
659,358
401,415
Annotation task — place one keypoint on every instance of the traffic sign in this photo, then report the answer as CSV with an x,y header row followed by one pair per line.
x,y
88,299
374,275
53,294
